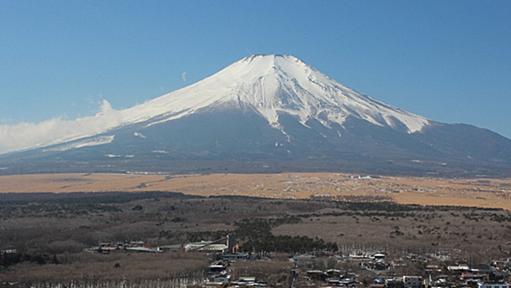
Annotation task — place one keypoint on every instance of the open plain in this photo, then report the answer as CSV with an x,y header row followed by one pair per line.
x,y
484,193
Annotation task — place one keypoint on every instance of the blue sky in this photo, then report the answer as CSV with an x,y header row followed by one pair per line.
x,y
447,60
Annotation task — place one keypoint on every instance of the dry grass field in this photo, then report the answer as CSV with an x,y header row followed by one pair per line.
x,y
109,267
486,193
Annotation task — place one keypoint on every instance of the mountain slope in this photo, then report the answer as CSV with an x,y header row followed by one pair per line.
x,y
270,113
271,84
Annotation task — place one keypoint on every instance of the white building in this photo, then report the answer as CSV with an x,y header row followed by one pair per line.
x,y
206,246
458,268
493,285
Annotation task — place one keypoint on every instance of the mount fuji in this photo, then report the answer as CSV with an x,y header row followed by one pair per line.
x,y
268,113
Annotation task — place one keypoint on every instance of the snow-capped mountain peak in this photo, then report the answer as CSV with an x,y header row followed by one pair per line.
x,y
271,85
262,113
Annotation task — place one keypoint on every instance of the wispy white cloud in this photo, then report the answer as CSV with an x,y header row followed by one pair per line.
x,y
25,135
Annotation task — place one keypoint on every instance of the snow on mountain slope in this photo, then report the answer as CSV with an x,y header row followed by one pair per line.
x,y
273,84
262,113
267,84
100,140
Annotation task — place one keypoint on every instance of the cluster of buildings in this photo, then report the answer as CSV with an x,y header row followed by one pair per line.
x,y
399,282
219,275
494,275
368,269
331,277
374,270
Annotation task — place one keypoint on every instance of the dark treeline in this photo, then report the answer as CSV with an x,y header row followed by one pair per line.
x,y
257,237
8,259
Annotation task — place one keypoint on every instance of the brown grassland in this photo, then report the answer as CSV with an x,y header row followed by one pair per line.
x,y
51,230
484,193
471,220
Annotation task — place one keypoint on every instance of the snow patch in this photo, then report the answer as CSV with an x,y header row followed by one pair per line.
x,y
113,156
101,140
119,156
